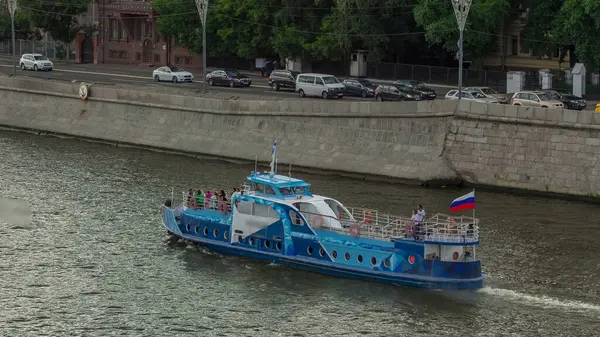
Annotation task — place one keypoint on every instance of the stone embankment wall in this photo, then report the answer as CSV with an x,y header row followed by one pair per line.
x,y
529,148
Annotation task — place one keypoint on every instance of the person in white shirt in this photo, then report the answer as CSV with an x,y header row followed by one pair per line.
x,y
421,212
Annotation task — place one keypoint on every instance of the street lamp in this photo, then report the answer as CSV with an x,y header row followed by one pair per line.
x,y
12,6
461,11
202,6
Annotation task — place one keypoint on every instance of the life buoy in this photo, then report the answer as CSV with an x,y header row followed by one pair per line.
x,y
318,221
355,229
411,259
455,256
367,216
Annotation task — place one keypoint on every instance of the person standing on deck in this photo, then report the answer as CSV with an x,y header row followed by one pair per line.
x,y
200,199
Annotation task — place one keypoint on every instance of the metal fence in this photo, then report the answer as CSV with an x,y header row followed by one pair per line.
x,y
438,75
51,49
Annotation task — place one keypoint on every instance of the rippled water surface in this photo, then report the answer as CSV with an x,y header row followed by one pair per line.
x,y
96,262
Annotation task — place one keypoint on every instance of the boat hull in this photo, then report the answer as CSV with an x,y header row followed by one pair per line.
x,y
320,266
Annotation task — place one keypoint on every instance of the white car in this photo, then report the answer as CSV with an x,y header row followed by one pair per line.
x,y
319,85
172,74
35,62
471,96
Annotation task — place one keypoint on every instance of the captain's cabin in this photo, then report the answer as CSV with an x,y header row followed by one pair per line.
x,y
319,211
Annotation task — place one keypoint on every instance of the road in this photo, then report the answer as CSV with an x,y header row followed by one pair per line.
x,y
142,76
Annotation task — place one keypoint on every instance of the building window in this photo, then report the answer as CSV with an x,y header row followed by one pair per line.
x,y
123,55
138,57
123,31
113,54
515,46
138,30
157,58
113,25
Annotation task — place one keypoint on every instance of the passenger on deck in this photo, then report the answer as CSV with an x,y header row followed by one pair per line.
x,y
190,197
421,211
207,198
223,205
200,199
418,226
214,200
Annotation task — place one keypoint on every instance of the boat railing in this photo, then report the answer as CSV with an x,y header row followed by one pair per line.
x,y
191,201
440,227
351,226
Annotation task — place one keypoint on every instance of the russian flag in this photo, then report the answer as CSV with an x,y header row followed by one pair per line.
x,y
465,202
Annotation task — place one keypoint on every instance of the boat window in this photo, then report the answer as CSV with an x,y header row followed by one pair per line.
x,y
258,187
269,190
300,190
296,219
285,191
244,207
265,211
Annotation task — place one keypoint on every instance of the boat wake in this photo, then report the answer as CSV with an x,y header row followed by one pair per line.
x,y
543,301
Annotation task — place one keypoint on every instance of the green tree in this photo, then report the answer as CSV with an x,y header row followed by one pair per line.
x,y
539,34
23,29
59,18
485,20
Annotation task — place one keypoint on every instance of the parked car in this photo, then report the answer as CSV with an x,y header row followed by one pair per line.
x,y
172,74
417,87
569,100
228,77
489,93
392,93
283,79
35,62
319,85
535,98
471,96
359,87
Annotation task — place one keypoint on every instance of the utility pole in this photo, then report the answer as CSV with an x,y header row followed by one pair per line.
x,y
461,11
202,6
12,6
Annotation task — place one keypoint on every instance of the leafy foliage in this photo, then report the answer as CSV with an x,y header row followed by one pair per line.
x,y
485,20
57,17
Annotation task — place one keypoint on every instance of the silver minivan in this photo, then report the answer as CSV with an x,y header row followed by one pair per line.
x,y
319,85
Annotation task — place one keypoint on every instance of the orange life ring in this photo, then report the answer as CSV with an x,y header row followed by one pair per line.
x,y
367,216
455,256
318,221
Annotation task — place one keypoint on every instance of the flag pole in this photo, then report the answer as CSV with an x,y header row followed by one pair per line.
x,y
474,219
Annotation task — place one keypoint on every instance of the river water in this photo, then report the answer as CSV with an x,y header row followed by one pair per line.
x,y
95,260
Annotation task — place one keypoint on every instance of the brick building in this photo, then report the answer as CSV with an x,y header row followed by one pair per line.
x,y
125,33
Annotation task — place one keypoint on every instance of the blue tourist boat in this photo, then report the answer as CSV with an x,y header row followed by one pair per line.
x,y
276,218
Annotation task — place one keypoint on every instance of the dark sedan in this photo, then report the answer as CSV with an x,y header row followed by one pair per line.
x,y
230,78
391,93
569,100
359,87
416,87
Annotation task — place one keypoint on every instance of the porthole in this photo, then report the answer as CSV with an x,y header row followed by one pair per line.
x,y
309,250
321,252
187,227
387,263
334,254
197,229
226,235
240,238
251,241
360,259
278,245
216,233
267,244
205,230
373,261
347,256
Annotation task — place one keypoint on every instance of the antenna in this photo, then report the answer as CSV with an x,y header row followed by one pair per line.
x,y
256,165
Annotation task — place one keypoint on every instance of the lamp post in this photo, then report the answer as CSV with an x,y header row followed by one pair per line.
x,y
202,6
12,6
461,11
